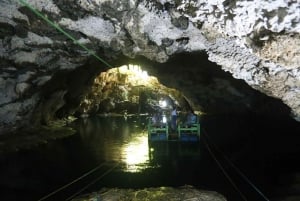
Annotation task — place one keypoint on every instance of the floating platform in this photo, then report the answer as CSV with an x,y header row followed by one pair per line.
x,y
189,133
158,132
184,133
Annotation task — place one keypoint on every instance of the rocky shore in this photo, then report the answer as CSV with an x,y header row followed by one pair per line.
x,y
184,193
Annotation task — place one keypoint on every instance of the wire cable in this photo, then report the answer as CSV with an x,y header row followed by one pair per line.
x,y
235,168
91,183
224,171
72,182
56,26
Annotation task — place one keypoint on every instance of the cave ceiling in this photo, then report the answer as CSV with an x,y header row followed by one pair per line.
x,y
256,42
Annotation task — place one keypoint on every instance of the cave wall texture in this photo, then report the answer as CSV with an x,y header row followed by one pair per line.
x,y
256,41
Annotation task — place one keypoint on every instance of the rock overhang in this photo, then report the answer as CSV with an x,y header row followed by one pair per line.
x,y
244,38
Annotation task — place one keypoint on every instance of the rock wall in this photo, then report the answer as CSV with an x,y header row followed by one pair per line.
x,y
257,41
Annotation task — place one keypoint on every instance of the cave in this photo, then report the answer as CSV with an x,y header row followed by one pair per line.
x,y
79,80
237,119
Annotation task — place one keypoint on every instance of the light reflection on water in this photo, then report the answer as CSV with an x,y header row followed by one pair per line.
x,y
117,139
135,153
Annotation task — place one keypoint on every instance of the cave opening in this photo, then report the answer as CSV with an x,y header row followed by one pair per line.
x,y
49,86
227,105
129,89
256,131
198,83
246,125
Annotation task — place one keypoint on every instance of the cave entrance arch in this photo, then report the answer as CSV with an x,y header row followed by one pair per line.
x,y
198,83
129,89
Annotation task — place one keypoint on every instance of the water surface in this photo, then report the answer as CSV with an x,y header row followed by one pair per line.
x,y
117,148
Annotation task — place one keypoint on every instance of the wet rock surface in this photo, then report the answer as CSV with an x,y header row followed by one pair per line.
x,y
185,193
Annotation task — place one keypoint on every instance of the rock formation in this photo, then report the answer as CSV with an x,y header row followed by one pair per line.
x,y
183,193
42,58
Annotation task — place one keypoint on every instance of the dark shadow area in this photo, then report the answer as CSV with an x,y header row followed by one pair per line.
x,y
265,148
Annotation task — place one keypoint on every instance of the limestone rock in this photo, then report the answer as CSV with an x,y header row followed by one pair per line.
x,y
257,41
184,193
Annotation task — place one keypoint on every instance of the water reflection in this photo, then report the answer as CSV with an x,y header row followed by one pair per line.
x,y
126,141
117,139
135,153
159,152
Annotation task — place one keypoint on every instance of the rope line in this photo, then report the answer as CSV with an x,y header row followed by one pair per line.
x,y
236,169
224,171
91,183
72,182
56,26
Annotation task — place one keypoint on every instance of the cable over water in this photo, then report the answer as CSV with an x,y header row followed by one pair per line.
x,y
224,171
72,182
93,182
233,166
